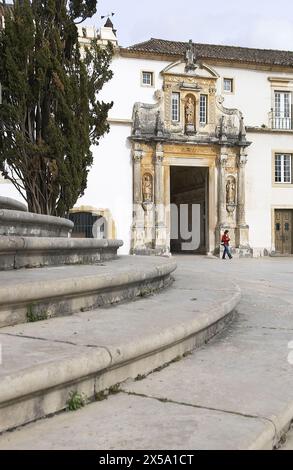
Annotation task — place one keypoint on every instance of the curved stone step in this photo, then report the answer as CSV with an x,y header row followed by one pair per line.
x,y
12,204
28,224
44,362
33,294
34,252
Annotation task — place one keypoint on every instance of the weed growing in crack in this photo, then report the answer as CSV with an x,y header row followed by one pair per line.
x,y
76,400
146,291
114,389
32,316
140,377
104,394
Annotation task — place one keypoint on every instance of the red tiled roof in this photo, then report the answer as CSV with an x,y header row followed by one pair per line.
x,y
216,52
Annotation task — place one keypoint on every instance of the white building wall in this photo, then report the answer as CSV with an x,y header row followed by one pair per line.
x,y
252,92
125,87
262,195
110,181
253,95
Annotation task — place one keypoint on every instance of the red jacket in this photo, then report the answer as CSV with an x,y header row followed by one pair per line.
x,y
225,239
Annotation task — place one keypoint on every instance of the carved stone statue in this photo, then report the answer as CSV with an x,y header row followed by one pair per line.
x,y
190,58
159,127
147,187
136,124
189,111
230,191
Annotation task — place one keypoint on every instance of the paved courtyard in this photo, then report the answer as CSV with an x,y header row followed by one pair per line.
x,y
233,393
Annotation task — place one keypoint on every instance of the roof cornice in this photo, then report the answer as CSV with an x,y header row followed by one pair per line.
x,y
167,57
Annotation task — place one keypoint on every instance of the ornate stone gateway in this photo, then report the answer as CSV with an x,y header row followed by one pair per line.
x,y
189,202
188,127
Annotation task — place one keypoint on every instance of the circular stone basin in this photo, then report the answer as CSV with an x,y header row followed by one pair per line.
x,y
27,224
12,204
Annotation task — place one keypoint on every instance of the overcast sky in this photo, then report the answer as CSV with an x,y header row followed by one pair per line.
x,y
254,23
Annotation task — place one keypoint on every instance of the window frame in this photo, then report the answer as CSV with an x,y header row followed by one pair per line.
x,y
282,110
232,89
175,93
205,121
281,172
151,74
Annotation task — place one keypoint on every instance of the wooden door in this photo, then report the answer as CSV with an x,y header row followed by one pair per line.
x,y
287,232
283,231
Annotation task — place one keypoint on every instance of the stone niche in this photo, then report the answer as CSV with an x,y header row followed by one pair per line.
x,y
189,114
231,195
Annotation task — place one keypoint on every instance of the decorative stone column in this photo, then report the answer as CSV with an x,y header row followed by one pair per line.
x,y
242,229
160,242
138,212
222,212
222,162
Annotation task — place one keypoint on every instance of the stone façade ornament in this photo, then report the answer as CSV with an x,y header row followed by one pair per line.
x,y
190,58
231,194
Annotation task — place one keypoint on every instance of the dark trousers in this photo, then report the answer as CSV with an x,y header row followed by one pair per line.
x,y
226,251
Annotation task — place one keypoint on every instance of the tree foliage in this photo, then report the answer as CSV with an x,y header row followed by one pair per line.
x,y
50,115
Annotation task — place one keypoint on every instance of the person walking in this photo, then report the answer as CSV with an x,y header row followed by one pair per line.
x,y
225,240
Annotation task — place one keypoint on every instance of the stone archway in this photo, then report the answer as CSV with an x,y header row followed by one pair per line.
x,y
189,209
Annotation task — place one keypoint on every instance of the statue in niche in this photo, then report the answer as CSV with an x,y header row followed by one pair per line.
x,y
190,114
189,111
231,192
147,187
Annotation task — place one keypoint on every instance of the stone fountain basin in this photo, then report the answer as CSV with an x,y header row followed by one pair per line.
x,y
28,224
36,252
12,204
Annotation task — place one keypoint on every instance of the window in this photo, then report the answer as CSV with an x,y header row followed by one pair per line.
x,y
175,107
203,109
282,113
84,223
283,168
228,85
147,78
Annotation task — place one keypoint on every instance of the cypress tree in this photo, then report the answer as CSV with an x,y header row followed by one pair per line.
x,y
50,114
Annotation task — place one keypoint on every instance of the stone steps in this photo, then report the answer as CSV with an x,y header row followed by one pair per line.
x,y
33,294
12,204
29,240
46,361
28,224
34,252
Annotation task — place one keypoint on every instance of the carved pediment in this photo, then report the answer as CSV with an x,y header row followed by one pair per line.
x,y
179,69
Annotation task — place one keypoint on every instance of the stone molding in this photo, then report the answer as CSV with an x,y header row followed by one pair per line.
x,y
12,204
17,223
35,252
